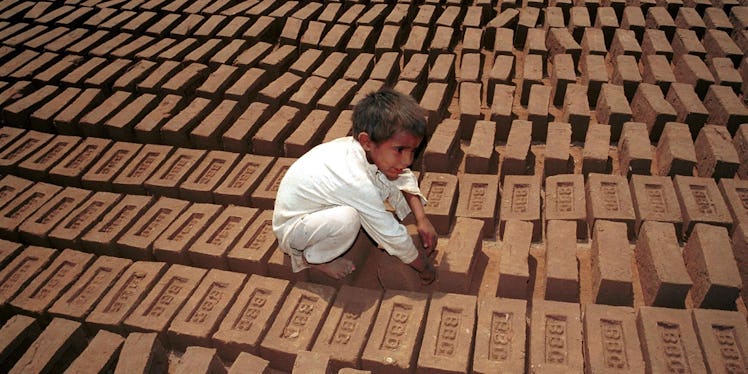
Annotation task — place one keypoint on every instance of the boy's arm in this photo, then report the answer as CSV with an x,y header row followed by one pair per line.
x,y
425,229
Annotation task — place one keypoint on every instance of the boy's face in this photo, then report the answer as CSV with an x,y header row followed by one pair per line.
x,y
391,155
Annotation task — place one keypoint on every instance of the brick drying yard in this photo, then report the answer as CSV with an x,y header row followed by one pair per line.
x,y
586,167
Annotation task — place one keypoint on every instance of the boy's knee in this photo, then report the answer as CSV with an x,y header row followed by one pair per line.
x,y
352,219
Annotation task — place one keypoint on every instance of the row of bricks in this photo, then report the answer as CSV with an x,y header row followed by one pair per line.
x,y
240,238
355,327
713,154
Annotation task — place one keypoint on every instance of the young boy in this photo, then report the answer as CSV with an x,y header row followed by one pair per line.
x,y
339,186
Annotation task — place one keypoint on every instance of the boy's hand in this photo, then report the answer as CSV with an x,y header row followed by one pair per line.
x,y
428,274
427,233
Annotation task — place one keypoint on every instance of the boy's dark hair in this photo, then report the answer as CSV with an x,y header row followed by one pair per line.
x,y
384,113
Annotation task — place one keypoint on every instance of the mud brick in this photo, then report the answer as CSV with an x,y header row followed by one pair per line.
x,y
624,44
500,335
218,81
710,264
20,60
200,360
171,246
268,138
666,330
659,18
735,192
738,16
470,107
337,96
656,70
502,72
290,333
596,148
134,174
649,106
340,128
279,60
609,198
687,42
248,363
716,19
11,186
391,351
481,157
717,157
16,335
17,114
147,129
593,42
103,172
137,73
252,56
361,40
501,110
473,40
692,70
528,18
579,19
156,48
471,68
237,137
254,248
565,200
701,203
242,181
514,271
576,110
719,44
100,354
553,17
535,43
183,82
662,272
500,47
68,232
675,152
611,339
448,333
518,148
478,199
156,78
9,134
308,134
626,73
38,164
38,64
555,337
725,108
8,251
85,45
613,109
137,242
562,74
201,315
434,101
611,257
61,340
689,19
688,106
36,228
212,246
142,353
23,206
719,333
655,42
725,74
532,74
557,149
206,176
41,119
562,278
458,260
414,89
344,332
360,67
52,282
207,133
102,238
23,269
161,304
607,21
634,150
93,123
521,201
740,140
440,154
113,41
655,200
537,110
226,54
120,126
337,34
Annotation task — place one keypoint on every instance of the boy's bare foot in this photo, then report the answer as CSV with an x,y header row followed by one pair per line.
x,y
338,268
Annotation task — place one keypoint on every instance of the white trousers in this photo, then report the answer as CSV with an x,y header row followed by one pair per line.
x,y
325,235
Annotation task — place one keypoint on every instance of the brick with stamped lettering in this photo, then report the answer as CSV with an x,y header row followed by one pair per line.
x,y
397,332
297,323
253,250
125,295
19,272
478,195
137,242
11,186
23,206
555,337
611,340
721,334
440,190
70,170
68,232
263,196
521,201
345,331
89,288
500,335
35,229
165,299
101,175
202,313
655,200
701,202
166,179
609,198
133,176
735,193
102,238
8,251
242,180
173,243
250,316
565,199
41,161
669,341
448,333
213,245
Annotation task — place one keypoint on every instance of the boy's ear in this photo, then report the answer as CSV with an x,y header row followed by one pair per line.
x,y
365,140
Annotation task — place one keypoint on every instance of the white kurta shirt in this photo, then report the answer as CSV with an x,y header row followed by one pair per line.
x,y
337,173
